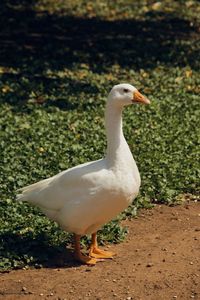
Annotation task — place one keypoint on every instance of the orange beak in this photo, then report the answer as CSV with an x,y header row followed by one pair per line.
x,y
139,98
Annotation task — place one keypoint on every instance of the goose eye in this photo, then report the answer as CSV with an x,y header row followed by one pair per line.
x,y
126,90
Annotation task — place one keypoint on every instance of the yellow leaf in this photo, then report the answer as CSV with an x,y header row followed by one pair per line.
x,y
189,88
5,89
156,6
41,150
188,73
178,79
1,70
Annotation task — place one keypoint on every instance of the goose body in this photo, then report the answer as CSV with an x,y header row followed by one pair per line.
x,y
83,198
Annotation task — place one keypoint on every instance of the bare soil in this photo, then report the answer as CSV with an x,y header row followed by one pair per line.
x,y
160,259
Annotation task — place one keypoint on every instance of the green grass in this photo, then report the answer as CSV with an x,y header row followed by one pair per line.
x,y
68,55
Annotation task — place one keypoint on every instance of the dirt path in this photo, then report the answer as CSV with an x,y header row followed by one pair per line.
x,y
159,260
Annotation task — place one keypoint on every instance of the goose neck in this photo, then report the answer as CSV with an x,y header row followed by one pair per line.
x,y
114,132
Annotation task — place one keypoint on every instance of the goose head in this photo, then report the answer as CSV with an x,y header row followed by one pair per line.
x,y
126,94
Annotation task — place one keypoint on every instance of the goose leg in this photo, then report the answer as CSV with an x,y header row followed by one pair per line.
x,y
78,255
96,252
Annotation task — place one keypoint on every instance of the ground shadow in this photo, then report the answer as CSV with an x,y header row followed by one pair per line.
x,y
62,89
37,252
33,43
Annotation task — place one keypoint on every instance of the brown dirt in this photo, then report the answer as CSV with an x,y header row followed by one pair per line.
x,y
160,259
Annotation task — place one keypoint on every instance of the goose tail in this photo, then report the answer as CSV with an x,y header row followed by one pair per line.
x,y
30,192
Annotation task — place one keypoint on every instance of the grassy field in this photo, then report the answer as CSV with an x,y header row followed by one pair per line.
x,y
58,61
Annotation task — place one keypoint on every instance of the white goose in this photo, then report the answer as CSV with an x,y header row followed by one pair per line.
x,y
85,197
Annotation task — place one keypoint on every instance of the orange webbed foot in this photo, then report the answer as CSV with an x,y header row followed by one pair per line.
x,y
85,259
98,253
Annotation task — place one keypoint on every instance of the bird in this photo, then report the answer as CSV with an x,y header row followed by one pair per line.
x,y
83,198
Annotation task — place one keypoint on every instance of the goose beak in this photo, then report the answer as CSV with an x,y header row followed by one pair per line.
x,y
139,98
